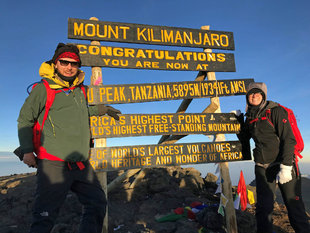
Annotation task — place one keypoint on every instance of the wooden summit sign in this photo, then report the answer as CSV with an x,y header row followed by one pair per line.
x,y
129,157
147,34
148,92
163,124
138,58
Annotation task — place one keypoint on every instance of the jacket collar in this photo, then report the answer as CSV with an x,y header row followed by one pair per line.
x,y
261,111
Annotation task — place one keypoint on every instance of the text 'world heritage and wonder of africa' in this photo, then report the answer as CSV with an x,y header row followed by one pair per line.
x,y
128,157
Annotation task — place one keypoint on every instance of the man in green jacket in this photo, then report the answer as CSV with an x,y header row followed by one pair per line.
x,y
62,156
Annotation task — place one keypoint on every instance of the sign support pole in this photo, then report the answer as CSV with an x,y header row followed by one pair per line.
x,y
96,79
230,213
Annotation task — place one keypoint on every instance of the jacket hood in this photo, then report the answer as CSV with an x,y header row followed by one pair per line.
x,y
47,70
270,104
260,86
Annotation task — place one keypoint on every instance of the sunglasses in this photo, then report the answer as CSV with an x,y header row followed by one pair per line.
x,y
74,64
255,93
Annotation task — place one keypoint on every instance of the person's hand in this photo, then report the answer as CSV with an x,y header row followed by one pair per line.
x,y
112,112
285,174
30,160
236,112
239,116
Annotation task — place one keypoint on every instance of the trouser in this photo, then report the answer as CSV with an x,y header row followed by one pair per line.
x,y
291,194
54,180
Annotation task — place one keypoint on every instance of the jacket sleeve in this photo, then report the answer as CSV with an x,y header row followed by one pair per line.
x,y
244,137
93,110
29,113
284,131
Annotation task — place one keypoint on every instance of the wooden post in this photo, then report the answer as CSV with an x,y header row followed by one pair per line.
x,y
170,139
96,79
185,103
230,213
163,140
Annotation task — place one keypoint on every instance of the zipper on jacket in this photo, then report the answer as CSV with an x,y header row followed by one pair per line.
x,y
53,127
77,103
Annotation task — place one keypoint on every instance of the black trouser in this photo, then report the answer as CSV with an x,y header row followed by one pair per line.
x,y
291,194
54,180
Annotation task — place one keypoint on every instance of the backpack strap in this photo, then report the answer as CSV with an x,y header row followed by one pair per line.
x,y
32,85
266,117
50,96
83,89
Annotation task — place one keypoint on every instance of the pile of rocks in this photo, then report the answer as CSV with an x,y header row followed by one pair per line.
x,y
135,209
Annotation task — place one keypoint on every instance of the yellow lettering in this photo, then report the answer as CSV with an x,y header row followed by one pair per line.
x,y
206,39
178,37
78,29
92,28
140,33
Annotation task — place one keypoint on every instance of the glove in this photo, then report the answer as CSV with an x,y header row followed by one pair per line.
x,y
236,112
246,148
19,153
112,112
239,116
285,174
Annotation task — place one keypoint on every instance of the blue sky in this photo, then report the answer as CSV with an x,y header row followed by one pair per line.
x,y
271,46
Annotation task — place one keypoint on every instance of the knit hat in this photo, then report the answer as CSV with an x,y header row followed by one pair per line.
x,y
256,88
66,51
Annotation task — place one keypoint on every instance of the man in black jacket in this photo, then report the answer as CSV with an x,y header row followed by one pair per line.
x,y
267,123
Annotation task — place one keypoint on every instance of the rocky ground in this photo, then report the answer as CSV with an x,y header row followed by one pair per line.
x,y
138,209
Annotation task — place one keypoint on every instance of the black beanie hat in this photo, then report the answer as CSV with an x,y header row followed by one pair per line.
x,y
256,90
66,50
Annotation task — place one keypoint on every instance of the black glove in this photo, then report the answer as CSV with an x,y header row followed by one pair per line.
x,y
244,138
112,112
246,150
18,152
240,119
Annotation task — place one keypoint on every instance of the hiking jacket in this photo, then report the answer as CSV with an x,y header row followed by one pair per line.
x,y
274,138
66,132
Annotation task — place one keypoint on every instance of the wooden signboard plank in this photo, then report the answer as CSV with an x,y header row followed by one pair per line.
x,y
148,92
143,156
130,125
152,59
149,34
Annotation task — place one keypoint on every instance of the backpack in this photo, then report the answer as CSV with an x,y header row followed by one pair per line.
x,y
37,128
299,147
292,120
